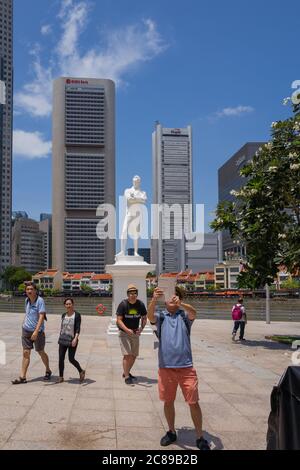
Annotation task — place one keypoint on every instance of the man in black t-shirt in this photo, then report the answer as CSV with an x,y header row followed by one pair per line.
x,y
131,320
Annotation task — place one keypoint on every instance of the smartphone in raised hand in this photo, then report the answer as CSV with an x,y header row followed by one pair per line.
x,y
168,286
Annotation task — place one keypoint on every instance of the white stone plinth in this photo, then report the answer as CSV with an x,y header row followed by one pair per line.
x,y
128,270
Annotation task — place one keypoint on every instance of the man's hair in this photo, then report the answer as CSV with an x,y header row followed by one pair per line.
x,y
30,284
241,300
68,299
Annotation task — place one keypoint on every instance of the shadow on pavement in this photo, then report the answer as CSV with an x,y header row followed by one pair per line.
x,y
140,380
186,438
265,344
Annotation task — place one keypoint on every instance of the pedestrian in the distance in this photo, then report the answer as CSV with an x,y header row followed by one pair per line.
x,y
239,317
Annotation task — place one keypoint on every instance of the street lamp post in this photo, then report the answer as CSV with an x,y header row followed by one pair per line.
x,y
268,316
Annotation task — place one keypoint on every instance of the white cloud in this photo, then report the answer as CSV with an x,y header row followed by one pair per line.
x,y
119,52
65,4
73,25
30,145
46,29
35,97
237,111
125,49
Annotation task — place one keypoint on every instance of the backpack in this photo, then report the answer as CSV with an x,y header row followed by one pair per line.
x,y
184,318
237,313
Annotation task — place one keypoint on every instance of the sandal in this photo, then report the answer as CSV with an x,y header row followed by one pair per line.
x,y
47,375
20,380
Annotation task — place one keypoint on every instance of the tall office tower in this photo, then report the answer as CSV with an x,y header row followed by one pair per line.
x,y
6,115
204,259
172,184
229,178
83,172
27,245
144,252
45,226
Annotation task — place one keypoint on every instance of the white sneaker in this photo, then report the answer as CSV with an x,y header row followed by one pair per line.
x,y
233,337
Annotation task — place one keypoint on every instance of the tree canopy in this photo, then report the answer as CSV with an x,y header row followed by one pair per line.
x,y
265,213
13,276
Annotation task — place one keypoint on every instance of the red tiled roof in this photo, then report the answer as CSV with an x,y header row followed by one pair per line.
x,y
47,273
99,277
169,275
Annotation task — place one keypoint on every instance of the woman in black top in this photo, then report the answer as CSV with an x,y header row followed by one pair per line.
x,y
68,339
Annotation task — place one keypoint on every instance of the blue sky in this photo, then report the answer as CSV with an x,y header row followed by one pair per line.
x,y
223,67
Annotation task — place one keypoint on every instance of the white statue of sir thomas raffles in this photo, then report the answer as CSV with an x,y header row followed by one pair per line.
x,y
132,225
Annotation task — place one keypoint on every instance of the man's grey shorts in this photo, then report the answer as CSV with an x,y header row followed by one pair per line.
x,y
129,344
39,343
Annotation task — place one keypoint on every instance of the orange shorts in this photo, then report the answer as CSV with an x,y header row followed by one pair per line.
x,y
169,379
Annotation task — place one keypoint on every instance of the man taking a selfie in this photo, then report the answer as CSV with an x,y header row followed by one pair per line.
x,y
175,361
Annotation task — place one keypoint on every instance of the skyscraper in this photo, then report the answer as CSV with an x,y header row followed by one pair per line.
x,y
83,171
229,179
45,226
6,107
172,184
27,245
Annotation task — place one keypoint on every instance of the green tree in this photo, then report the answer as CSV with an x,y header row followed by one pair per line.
x,y
290,284
47,292
13,276
86,289
21,287
210,287
265,214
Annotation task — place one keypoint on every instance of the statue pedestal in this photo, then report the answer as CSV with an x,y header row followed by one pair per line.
x,y
128,270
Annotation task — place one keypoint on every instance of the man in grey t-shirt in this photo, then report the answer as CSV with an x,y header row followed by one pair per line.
x,y
33,332
175,362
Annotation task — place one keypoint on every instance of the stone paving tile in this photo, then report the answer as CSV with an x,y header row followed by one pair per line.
x,y
13,412
138,419
146,438
18,399
50,411
244,440
93,437
6,428
43,432
86,393
29,445
134,405
94,403
99,417
231,423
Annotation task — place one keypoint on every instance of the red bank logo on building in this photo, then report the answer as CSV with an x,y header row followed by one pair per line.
x,y
76,82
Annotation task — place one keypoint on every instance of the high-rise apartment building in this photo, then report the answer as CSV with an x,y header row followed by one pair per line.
x,y
205,258
172,185
83,172
27,245
144,252
45,226
230,179
6,110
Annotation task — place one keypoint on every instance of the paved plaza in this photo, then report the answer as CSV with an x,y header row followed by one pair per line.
x,y
235,382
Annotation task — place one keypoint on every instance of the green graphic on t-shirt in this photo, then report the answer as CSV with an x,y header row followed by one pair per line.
x,y
132,311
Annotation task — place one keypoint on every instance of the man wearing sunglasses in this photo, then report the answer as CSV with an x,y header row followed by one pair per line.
x,y
131,320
